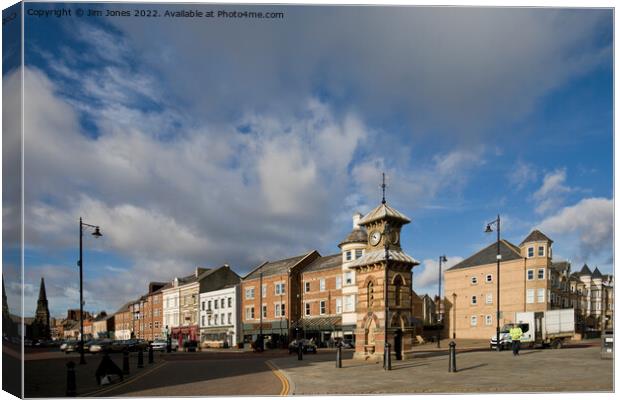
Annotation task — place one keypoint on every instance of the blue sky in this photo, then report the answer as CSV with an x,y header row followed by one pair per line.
x,y
238,141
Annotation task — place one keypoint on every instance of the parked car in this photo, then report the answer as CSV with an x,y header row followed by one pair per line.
x,y
98,346
117,346
160,345
190,345
308,346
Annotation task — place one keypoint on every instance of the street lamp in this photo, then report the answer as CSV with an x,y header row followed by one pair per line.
x,y
499,257
96,233
441,259
453,315
387,362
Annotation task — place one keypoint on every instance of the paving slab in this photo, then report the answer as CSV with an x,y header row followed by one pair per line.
x,y
485,371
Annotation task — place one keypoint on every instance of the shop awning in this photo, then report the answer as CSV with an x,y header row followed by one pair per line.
x,y
319,324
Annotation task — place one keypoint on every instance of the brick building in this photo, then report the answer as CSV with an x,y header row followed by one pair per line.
x,y
123,322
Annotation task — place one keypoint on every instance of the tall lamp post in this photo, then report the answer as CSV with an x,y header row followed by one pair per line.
x,y
387,362
96,234
489,229
453,315
441,259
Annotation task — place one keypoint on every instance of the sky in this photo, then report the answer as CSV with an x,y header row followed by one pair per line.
x,y
198,142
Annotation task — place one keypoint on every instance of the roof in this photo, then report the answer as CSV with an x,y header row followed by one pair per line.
x,y
536,236
585,271
275,267
372,257
597,274
322,263
560,266
357,235
125,307
384,211
488,255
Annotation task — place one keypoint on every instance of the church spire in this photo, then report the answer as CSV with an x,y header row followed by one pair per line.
x,y
42,294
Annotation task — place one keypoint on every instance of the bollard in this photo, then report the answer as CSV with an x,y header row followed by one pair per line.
x,y
125,362
438,340
300,351
150,354
387,357
452,357
71,387
140,359
339,356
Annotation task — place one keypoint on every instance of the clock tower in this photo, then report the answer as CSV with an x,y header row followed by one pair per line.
x,y
384,282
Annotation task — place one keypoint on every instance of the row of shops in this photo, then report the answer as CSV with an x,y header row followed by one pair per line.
x,y
323,330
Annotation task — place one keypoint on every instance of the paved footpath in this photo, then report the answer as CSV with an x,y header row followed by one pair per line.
x,y
484,371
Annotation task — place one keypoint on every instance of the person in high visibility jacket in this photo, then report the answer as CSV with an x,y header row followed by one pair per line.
x,y
515,335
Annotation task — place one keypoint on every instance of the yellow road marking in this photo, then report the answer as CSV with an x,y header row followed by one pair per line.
x,y
285,385
125,382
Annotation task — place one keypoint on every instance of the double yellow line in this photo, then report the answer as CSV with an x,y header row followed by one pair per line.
x,y
285,385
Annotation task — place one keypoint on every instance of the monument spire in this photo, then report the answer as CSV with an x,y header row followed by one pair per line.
x,y
383,188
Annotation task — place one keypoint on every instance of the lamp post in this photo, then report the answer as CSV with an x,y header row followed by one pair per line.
x,y
387,362
499,257
441,259
453,315
96,234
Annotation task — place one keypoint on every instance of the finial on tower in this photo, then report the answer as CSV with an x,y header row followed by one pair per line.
x,y
383,188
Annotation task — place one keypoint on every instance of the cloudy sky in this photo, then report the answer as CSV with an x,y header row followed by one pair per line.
x,y
198,142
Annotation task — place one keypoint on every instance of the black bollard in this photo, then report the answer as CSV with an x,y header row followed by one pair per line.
x,y
438,340
125,362
452,357
150,354
339,356
71,386
140,359
388,357
300,351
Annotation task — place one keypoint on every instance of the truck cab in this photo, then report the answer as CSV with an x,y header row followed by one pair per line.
x,y
504,335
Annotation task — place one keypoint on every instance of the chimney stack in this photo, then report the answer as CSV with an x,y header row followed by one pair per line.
x,y
356,219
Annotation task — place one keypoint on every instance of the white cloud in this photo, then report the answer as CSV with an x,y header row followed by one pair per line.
x,y
553,191
591,221
522,174
426,276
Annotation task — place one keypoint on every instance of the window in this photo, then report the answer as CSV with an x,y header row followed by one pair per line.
x,y
229,318
322,284
530,274
264,290
473,320
349,303
348,255
223,303
209,305
209,318
306,286
530,296
264,311
398,289
222,319
541,273
339,305
307,308
474,300
338,282
489,278
369,295
474,280
322,307
280,310
488,320
348,278
530,252
541,295
280,288
249,313
203,306
541,251
202,320
249,293
215,304
489,299
358,253
230,302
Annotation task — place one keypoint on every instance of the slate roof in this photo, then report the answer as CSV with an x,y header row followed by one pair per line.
x,y
275,267
585,271
536,236
488,255
384,211
597,274
327,262
372,257
358,235
560,265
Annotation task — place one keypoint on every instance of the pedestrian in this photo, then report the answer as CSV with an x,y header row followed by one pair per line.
x,y
515,337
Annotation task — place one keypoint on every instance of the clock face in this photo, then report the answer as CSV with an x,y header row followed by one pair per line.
x,y
375,237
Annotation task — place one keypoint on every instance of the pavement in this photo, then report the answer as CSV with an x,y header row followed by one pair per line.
x,y
481,371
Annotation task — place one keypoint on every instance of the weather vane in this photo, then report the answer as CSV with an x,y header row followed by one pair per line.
x,y
383,186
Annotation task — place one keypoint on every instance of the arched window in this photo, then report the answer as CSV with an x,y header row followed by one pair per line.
x,y
398,283
370,295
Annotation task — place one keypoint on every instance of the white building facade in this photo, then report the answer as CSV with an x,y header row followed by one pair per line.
x,y
220,317
170,307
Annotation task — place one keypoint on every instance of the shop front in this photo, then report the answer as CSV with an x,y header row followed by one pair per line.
x,y
217,337
275,333
184,334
